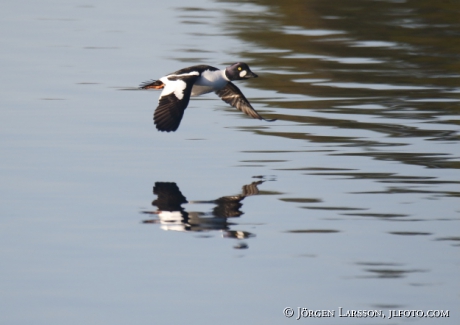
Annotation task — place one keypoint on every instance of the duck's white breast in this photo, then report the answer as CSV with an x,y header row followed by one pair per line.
x,y
209,81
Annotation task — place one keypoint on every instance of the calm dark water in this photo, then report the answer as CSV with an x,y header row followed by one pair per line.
x,y
350,199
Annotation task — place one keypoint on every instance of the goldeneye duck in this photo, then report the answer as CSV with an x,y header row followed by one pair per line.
x,y
179,86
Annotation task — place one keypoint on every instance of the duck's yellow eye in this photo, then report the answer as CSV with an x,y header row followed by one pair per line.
x,y
239,68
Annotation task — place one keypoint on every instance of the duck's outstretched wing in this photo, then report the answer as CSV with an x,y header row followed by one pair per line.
x,y
232,95
173,101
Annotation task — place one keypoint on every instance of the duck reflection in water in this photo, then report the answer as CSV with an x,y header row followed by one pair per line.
x,y
172,216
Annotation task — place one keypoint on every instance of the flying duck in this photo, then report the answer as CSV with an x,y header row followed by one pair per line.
x,y
197,80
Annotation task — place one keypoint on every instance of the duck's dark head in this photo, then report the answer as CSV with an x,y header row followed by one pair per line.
x,y
239,71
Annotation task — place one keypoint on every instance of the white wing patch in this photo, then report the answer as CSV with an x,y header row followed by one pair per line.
x,y
176,86
192,73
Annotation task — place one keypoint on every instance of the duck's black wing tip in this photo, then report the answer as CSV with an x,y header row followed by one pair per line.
x,y
169,113
232,95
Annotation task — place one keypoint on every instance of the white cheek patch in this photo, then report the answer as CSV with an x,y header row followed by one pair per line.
x,y
242,73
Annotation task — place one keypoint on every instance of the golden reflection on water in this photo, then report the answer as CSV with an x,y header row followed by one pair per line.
x,y
396,61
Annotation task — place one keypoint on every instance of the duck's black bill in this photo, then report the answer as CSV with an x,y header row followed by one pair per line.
x,y
250,75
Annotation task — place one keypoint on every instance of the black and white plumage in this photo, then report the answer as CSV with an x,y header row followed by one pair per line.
x,y
179,86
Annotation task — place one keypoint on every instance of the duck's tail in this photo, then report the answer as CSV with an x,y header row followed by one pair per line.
x,y
152,84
